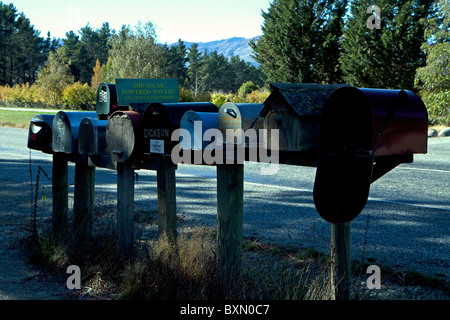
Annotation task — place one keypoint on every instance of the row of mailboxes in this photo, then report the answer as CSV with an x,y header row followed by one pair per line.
x,y
353,135
300,113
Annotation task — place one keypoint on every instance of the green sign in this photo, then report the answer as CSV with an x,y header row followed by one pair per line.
x,y
146,91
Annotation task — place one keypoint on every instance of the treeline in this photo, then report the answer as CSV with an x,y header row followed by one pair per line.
x,y
66,73
330,41
303,41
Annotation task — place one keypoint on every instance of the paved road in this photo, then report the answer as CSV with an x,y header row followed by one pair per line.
x,y
404,224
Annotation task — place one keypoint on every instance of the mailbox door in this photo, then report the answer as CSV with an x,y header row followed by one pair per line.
x,y
106,99
344,171
160,120
124,135
40,133
65,130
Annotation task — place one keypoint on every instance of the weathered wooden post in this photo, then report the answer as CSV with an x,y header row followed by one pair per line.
x,y
60,196
230,201
125,206
83,205
167,216
124,141
340,261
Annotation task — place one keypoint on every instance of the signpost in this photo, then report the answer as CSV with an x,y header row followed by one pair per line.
x,y
146,91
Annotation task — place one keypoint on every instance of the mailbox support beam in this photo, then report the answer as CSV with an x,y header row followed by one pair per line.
x,y
167,215
340,261
60,195
125,206
230,200
83,206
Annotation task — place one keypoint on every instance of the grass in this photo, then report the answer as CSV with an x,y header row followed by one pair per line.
x,y
18,118
185,270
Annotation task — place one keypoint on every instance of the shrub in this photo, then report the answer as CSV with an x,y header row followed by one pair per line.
x,y
79,96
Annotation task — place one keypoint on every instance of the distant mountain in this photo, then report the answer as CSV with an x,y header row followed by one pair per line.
x,y
237,46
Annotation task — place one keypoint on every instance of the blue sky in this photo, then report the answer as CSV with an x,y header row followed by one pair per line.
x,y
190,20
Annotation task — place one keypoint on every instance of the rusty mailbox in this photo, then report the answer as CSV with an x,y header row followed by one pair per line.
x,y
40,133
365,133
124,136
159,122
65,130
295,109
245,117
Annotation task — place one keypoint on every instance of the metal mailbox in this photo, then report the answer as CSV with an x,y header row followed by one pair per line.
x,y
365,133
243,116
40,133
106,100
65,130
92,137
161,119
124,136
197,123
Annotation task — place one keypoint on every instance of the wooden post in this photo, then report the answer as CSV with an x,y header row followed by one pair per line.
x,y
125,206
167,215
230,200
60,195
83,205
340,261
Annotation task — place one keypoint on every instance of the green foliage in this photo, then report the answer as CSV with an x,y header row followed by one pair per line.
x,y
54,77
433,79
247,88
22,50
300,41
135,53
386,57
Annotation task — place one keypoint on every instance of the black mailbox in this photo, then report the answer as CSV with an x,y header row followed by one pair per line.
x,y
65,130
106,102
124,136
40,133
161,119
196,124
364,134
92,137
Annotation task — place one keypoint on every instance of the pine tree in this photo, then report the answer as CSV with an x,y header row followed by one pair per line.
x,y
97,78
300,41
385,57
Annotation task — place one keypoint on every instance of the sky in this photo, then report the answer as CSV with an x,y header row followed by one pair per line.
x,y
188,20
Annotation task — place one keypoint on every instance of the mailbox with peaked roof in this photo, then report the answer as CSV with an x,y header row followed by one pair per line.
x,y
295,109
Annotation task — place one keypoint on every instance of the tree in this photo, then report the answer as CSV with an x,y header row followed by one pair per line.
x,y
385,57
176,60
54,76
135,53
194,58
434,78
300,41
22,50
97,78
